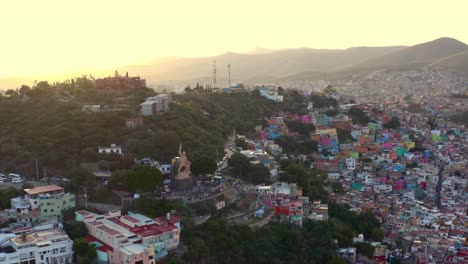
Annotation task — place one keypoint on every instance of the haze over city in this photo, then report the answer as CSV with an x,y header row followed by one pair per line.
x,y
225,132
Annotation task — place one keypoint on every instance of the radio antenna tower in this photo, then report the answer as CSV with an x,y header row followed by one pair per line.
x,y
214,74
229,73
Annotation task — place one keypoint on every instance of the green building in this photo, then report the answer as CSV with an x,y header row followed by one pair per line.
x,y
50,201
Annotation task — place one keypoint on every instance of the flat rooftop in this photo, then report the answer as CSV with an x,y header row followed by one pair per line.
x,y
43,189
133,249
42,237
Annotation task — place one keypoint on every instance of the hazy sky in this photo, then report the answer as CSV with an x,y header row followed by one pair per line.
x,y
43,37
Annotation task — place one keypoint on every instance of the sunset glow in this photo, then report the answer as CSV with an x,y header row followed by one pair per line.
x,y
50,37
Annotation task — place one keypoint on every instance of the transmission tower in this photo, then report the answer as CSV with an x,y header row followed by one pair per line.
x,y
229,74
214,74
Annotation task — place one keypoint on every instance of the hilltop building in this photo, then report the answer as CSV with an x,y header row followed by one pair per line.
x,y
120,83
156,104
113,149
271,95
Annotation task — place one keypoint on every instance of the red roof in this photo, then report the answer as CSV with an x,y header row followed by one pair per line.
x,y
152,230
146,231
112,232
117,221
103,248
130,219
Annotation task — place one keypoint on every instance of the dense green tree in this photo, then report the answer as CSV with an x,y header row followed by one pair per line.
x,y
358,116
329,89
140,179
320,101
5,196
239,164
377,234
11,92
241,143
365,249
258,174
332,112
203,165
75,229
297,126
79,180
344,136
85,251
337,187
337,260
24,90
394,123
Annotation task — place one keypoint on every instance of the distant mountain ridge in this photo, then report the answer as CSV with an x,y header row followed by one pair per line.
x,y
264,65
424,53
271,64
306,63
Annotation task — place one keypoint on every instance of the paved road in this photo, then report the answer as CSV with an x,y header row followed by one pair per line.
x,y
17,185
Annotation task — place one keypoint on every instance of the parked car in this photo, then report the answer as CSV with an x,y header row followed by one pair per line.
x,y
17,180
65,180
14,176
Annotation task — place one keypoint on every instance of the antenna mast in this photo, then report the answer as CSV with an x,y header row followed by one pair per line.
x,y
214,74
229,73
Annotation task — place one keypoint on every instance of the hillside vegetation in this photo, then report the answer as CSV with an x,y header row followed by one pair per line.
x,y
59,135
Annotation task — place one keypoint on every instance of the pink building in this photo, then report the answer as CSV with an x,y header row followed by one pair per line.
x,y
306,119
132,238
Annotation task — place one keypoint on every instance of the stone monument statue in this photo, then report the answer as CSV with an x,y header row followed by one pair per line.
x,y
183,171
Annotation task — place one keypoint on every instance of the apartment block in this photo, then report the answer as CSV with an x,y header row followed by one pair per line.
x,y
132,238
41,245
44,204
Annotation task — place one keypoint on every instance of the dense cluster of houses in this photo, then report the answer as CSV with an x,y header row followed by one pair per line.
x,y
413,177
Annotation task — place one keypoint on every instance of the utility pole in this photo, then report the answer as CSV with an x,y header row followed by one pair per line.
x,y
86,197
14,144
37,172
214,74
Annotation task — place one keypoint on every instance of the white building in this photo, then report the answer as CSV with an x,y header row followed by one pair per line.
x,y
350,163
113,149
379,188
156,104
333,176
40,246
271,95
91,108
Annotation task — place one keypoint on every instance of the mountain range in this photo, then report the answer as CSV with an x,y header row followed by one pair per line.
x,y
306,63
264,65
